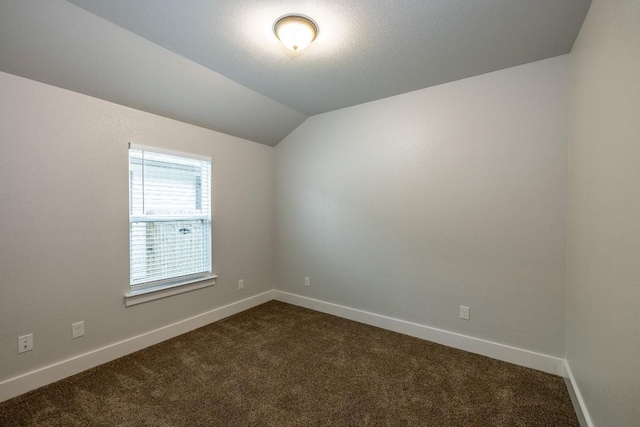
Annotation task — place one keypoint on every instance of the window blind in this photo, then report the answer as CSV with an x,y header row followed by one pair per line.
x,y
169,218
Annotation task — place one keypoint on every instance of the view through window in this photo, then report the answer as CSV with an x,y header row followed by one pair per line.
x,y
169,219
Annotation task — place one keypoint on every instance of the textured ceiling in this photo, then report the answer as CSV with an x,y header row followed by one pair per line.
x,y
217,64
55,42
366,49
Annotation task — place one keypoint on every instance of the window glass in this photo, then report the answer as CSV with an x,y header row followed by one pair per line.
x,y
169,219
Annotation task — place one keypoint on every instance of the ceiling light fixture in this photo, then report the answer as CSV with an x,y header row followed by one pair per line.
x,y
296,32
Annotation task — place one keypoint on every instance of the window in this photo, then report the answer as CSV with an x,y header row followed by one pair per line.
x,y
169,219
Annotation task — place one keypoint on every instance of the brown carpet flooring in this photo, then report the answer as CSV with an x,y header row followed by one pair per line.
x,y
281,365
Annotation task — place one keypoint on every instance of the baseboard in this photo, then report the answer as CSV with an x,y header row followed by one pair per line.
x,y
38,378
576,398
31,380
517,356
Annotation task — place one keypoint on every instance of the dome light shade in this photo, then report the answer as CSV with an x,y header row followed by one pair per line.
x,y
296,32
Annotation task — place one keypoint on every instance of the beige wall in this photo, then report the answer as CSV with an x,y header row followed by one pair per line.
x,y
603,320
64,228
453,195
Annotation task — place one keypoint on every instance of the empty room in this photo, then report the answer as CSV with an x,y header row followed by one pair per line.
x,y
336,212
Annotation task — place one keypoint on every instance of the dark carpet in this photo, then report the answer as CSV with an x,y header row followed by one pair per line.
x,y
282,365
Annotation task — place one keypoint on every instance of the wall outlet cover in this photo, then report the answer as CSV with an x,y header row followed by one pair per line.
x,y
77,329
25,343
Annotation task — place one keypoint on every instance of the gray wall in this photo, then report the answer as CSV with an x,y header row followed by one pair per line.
x,y
64,228
603,320
453,195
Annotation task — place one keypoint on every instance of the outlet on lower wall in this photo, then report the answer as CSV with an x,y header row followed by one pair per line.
x,y
307,282
77,329
464,312
25,343
241,284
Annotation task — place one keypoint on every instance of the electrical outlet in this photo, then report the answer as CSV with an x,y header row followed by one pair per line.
x,y
241,284
464,312
25,343
77,329
307,282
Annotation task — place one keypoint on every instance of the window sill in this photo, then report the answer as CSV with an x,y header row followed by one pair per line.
x,y
134,298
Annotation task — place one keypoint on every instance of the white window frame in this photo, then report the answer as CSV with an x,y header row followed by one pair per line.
x,y
147,291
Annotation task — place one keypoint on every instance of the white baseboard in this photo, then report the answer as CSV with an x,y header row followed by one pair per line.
x,y
31,380
576,398
38,378
517,356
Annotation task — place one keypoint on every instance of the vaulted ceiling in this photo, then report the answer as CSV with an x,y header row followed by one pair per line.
x,y
217,64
